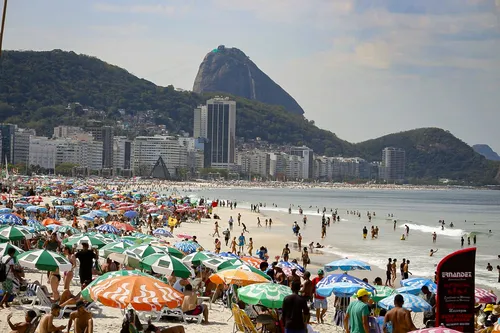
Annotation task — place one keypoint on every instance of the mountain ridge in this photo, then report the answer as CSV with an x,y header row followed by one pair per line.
x,y
486,151
36,87
231,71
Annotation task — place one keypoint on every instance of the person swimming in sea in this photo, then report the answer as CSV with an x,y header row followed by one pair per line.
x,y
432,252
365,232
403,237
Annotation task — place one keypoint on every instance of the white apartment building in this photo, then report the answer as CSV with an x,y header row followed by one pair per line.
x,y
254,162
67,131
307,155
147,150
122,153
85,154
42,152
22,145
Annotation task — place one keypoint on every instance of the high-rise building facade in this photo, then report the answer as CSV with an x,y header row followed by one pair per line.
x,y
147,150
216,121
104,134
307,165
7,132
393,164
122,154
42,152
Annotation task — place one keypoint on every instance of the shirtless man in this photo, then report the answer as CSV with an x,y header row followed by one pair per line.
x,y
82,318
46,323
399,318
22,327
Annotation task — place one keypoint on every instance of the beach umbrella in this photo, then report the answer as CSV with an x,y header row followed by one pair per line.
x,y
4,248
227,255
241,276
99,213
33,209
167,265
44,260
5,210
418,283
92,240
291,265
122,226
130,214
347,265
136,253
163,232
143,293
115,247
484,296
11,219
35,225
382,292
15,233
252,261
435,330
66,228
111,237
197,258
107,228
88,217
411,302
173,252
187,247
49,221
342,285
105,276
270,295
217,263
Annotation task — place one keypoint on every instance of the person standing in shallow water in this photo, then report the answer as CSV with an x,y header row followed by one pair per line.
x,y
286,253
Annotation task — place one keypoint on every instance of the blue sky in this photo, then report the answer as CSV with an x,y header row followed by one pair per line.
x,y
361,68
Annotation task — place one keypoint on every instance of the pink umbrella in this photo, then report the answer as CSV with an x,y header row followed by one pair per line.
x,y
484,296
184,236
435,330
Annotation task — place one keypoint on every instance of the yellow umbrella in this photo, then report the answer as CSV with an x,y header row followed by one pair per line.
x,y
172,222
239,276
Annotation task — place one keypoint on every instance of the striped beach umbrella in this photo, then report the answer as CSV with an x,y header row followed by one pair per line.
x,y
163,232
241,276
291,265
15,233
217,263
65,228
484,296
252,261
167,265
342,285
270,295
92,240
411,302
4,248
197,258
142,293
107,228
382,292
44,260
36,226
115,247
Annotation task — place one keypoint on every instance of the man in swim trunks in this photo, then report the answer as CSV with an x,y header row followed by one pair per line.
x,y
82,318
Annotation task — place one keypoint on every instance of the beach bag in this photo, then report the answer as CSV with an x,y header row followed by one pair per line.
x,y
3,270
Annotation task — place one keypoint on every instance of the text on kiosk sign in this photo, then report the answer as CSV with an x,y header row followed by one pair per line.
x,y
456,274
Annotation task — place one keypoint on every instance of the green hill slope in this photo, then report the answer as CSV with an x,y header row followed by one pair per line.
x,y
35,88
434,153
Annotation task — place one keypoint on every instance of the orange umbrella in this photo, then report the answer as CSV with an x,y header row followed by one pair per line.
x,y
121,226
143,293
49,221
252,261
240,276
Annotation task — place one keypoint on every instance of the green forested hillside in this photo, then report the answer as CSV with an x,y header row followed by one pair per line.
x,y
36,87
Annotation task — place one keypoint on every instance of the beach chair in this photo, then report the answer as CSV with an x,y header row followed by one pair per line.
x,y
247,323
34,324
238,321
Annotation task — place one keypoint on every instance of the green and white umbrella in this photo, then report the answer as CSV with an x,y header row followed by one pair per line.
x,y
86,292
167,265
92,240
382,292
65,228
219,263
15,233
135,254
4,248
197,258
270,295
112,237
115,247
44,260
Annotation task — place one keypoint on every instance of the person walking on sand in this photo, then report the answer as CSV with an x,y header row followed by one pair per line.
x,y
250,246
241,243
299,240
258,222
233,245
227,235
398,318
388,273
270,222
216,229
305,258
217,246
230,223
394,270
295,312
286,253
239,217
244,228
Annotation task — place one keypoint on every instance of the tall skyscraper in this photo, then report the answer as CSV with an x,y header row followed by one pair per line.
x,y
216,121
307,154
393,164
104,134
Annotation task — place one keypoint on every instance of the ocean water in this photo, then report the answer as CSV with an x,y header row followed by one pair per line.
x,y
471,211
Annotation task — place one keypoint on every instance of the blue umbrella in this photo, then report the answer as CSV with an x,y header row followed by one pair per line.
x,y
108,228
417,283
11,219
227,255
99,213
5,210
412,303
414,290
187,247
343,285
162,232
130,214
35,208
347,265
291,265
88,217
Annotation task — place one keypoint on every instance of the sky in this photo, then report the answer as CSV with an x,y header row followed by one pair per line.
x,y
360,68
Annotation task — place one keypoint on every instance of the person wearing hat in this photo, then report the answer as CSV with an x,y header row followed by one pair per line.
x,y
82,318
320,302
22,327
356,318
